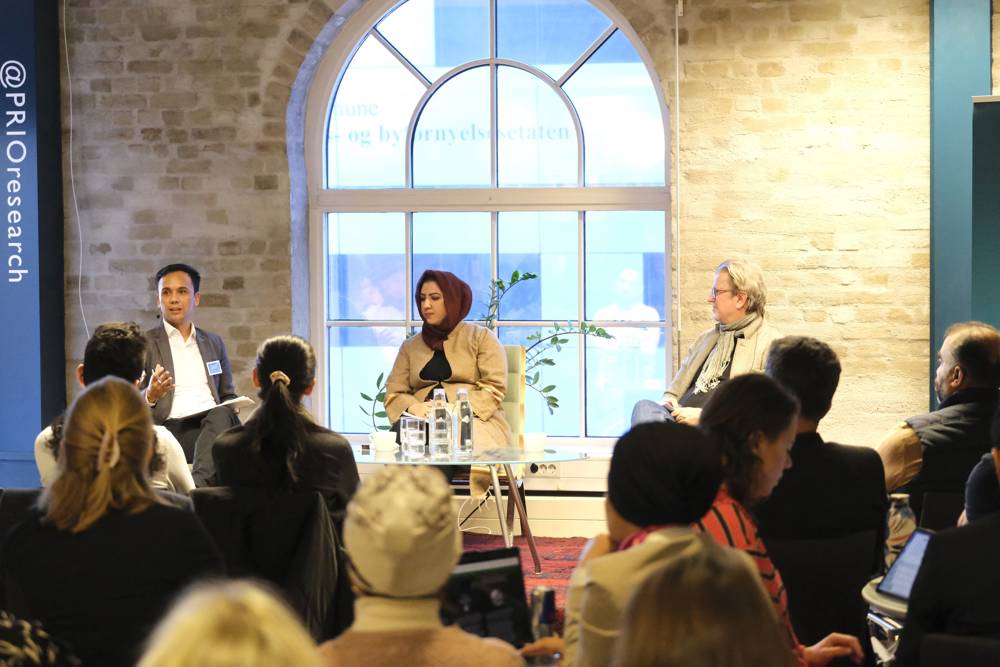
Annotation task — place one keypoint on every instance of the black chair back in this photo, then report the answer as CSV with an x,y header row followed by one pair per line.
x,y
14,506
824,579
941,509
287,539
938,650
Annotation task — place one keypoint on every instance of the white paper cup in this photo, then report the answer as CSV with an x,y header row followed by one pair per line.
x,y
383,441
535,442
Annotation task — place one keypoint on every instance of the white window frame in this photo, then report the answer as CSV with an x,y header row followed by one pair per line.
x,y
408,200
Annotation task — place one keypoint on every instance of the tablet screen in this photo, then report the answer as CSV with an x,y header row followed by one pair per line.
x,y
485,596
899,579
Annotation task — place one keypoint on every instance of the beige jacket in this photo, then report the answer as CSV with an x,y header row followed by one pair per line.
x,y
749,357
397,633
478,363
599,590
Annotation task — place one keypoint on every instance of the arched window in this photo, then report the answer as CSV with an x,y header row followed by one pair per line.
x,y
484,137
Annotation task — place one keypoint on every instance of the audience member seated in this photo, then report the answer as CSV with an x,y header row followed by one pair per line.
x,y
753,421
403,542
737,344
937,451
705,608
280,447
452,354
663,477
982,490
101,556
956,590
230,624
188,371
117,349
24,644
809,502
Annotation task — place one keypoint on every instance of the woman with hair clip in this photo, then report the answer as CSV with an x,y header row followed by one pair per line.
x,y
99,558
451,354
698,610
752,420
280,447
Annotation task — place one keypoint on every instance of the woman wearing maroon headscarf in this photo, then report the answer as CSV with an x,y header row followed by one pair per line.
x,y
452,354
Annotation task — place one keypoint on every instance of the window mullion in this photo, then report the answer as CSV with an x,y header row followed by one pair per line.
x,y
598,43
408,264
494,160
581,313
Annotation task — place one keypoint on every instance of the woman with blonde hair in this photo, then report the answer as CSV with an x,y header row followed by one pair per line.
x,y
707,608
230,624
101,555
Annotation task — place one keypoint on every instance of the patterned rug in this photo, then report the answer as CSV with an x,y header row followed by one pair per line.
x,y
558,556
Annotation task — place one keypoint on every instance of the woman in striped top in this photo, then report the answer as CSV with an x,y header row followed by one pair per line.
x,y
753,420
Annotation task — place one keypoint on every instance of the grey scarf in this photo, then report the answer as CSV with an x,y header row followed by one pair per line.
x,y
721,354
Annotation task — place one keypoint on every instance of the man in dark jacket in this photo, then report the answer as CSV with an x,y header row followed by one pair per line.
x,y
937,451
831,490
955,591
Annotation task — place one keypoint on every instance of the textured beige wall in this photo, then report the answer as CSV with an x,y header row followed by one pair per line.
x,y
804,142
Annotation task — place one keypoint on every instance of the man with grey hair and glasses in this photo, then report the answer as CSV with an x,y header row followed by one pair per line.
x,y
737,344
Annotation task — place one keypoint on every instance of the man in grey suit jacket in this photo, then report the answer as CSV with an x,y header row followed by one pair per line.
x,y
188,371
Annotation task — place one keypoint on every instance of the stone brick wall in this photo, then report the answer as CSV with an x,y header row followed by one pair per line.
x,y
178,153
804,143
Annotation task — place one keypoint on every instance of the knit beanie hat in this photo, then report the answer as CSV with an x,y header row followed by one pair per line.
x,y
400,532
663,473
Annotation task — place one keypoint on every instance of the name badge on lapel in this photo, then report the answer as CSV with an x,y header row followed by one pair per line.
x,y
214,368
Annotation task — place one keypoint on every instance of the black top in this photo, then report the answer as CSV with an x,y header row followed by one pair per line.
x,y
692,398
437,370
327,466
104,589
956,591
982,490
953,439
831,490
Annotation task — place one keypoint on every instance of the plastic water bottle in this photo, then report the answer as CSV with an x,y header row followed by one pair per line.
x,y
463,424
902,523
440,437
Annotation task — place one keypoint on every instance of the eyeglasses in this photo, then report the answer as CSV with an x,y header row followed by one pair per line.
x,y
713,293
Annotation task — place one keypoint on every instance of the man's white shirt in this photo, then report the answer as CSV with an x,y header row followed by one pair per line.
x,y
191,391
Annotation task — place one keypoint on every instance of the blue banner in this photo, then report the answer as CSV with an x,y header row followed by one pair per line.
x,y
20,335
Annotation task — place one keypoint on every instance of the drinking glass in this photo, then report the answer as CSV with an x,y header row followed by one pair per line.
x,y
413,437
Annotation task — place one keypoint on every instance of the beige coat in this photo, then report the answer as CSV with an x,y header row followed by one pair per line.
x,y
599,591
749,357
478,363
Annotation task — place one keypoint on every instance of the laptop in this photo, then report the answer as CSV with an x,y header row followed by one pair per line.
x,y
485,596
898,581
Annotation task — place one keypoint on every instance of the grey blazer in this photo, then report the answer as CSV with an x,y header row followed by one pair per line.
x,y
212,349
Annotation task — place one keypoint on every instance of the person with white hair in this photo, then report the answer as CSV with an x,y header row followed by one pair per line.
x,y
737,344
403,542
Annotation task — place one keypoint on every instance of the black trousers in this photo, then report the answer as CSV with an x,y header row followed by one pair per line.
x,y
197,434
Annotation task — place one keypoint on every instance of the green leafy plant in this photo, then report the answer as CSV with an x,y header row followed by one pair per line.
x,y
538,354
498,290
376,412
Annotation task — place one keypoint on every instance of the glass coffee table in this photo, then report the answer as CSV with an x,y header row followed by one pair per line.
x,y
495,459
